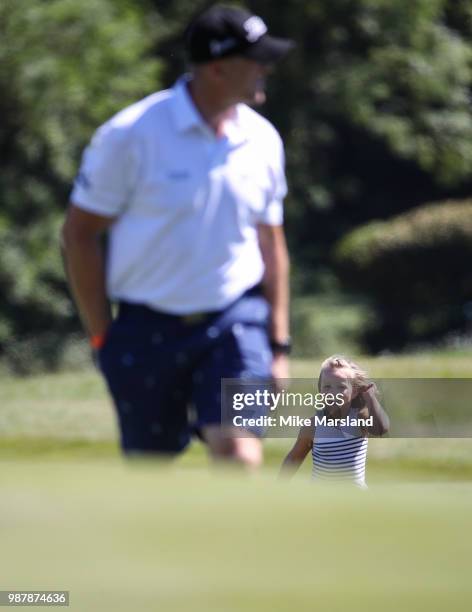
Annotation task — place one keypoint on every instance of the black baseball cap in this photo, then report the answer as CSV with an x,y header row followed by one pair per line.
x,y
225,31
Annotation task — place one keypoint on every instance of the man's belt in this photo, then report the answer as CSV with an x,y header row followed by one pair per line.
x,y
194,318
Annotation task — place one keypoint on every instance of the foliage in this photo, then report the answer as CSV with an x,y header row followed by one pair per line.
x,y
64,68
379,117
373,105
416,270
322,326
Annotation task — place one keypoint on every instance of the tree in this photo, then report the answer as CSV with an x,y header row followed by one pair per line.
x,y
64,68
373,105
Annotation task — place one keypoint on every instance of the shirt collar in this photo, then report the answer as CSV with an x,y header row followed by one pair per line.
x,y
186,115
235,130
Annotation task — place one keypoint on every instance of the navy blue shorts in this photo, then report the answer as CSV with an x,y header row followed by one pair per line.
x,y
164,371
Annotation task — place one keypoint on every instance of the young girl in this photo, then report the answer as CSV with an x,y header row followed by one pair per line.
x,y
339,451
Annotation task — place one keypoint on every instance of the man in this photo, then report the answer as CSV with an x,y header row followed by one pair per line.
x,y
189,184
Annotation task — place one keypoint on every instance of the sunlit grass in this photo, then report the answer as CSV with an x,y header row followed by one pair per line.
x,y
126,536
149,537
69,416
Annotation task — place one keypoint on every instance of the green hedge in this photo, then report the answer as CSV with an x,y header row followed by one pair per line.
x,y
416,270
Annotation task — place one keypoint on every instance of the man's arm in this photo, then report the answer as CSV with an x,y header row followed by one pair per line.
x,y
276,287
85,266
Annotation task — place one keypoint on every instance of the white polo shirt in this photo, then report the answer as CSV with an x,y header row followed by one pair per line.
x,y
186,204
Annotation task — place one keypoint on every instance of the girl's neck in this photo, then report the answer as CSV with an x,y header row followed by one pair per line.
x,y
337,412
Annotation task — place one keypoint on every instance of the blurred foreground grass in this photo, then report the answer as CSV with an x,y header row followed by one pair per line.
x,y
146,538
149,537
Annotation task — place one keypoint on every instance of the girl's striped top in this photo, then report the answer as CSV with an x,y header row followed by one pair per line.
x,y
339,453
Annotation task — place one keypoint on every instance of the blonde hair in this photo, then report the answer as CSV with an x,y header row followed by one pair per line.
x,y
359,379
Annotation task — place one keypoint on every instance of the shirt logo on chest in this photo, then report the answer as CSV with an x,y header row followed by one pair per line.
x,y
178,175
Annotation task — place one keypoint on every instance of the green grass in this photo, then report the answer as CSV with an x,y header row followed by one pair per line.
x,y
152,537
440,364
69,416
148,538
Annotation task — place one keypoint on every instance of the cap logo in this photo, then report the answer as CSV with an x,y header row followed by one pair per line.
x,y
255,28
218,47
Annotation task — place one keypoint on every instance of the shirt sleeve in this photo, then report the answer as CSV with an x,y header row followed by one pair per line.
x,y
107,174
273,213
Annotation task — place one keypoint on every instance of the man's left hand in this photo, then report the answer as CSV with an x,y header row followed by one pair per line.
x,y
280,370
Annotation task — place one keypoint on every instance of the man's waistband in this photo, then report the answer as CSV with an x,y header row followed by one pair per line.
x,y
194,318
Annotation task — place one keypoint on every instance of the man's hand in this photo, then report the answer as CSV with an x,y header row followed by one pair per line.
x,y
280,370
